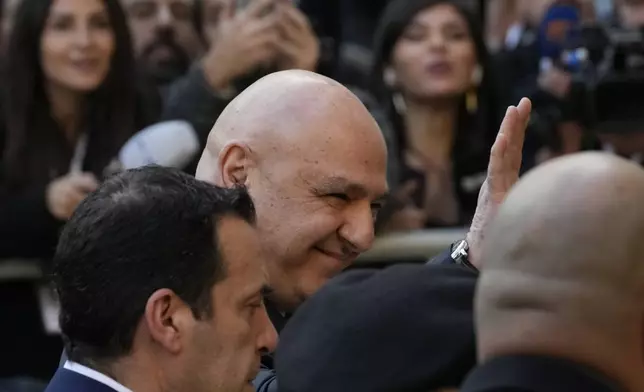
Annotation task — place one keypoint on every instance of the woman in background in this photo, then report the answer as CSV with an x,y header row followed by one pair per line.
x,y
431,70
69,103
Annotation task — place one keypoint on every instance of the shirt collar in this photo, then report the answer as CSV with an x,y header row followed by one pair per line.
x,y
96,376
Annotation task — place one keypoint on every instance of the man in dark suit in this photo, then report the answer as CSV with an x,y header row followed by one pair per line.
x,y
161,284
559,303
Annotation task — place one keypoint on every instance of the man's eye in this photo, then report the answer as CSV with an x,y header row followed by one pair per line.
x,y
340,196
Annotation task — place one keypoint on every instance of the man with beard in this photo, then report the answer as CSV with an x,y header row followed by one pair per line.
x,y
165,39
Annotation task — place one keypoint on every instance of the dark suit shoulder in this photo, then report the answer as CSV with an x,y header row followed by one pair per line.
x,y
523,373
67,381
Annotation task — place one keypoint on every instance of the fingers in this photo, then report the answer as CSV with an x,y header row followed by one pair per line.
x,y
525,108
500,145
290,31
287,48
73,199
262,26
227,11
258,8
517,136
293,17
84,182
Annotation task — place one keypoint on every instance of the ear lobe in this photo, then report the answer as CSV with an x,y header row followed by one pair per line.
x,y
234,162
477,75
167,319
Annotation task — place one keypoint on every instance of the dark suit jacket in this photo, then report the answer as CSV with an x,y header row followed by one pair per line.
x,y
67,381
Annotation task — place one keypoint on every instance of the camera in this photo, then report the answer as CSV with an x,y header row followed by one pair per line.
x,y
607,64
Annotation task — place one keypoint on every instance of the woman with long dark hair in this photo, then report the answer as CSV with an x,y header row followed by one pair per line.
x,y
69,103
432,76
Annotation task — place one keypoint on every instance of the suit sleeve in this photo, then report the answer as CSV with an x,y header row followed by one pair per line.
x,y
443,258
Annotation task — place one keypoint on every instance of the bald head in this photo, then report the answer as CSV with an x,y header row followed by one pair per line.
x,y
564,266
586,208
314,161
290,111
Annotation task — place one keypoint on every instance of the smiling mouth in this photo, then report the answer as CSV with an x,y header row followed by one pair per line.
x,y
86,65
344,259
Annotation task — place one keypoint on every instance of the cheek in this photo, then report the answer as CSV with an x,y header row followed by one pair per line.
x,y
465,58
105,43
408,65
52,56
142,34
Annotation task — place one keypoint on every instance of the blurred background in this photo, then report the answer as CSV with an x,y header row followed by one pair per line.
x,y
91,87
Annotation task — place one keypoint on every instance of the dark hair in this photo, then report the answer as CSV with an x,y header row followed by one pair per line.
x,y
31,146
393,22
141,231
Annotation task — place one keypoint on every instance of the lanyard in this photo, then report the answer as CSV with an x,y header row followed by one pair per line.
x,y
76,165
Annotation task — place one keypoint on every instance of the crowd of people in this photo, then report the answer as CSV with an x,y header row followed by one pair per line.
x,y
183,278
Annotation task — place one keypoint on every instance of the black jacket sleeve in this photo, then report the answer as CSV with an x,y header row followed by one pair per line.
x,y
192,99
406,327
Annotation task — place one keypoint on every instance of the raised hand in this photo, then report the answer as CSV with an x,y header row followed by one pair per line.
x,y
299,47
243,41
502,174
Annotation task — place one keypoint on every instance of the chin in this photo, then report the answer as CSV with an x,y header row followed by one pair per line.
x,y
442,91
86,85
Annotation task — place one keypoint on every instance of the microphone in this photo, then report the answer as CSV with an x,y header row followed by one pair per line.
x,y
170,144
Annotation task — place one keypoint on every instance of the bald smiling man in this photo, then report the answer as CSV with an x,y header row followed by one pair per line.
x,y
314,161
565,280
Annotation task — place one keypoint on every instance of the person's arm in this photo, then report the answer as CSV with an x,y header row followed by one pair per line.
x,y
192,99
27,228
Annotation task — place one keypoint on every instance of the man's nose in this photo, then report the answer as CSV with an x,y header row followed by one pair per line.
x,y
358,228
267,337
164,18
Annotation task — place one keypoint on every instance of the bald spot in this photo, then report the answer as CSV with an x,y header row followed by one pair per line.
x,y
292,114
569,240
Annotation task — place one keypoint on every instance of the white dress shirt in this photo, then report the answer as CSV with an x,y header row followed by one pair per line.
x,y
96,376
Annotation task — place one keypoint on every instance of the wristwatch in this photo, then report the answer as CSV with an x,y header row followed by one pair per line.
x,y
460,254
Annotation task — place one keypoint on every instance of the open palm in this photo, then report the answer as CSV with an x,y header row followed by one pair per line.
x,y
502,173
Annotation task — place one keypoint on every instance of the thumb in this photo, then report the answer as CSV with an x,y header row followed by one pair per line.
x,y
86,182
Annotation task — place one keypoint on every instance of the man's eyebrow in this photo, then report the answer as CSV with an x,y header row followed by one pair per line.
x,y
338,183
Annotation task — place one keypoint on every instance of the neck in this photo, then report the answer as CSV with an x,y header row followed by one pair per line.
x,y
430,128
137,373
66,108
617,356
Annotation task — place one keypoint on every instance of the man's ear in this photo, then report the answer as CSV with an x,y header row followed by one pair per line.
x,y
234,162
169,320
